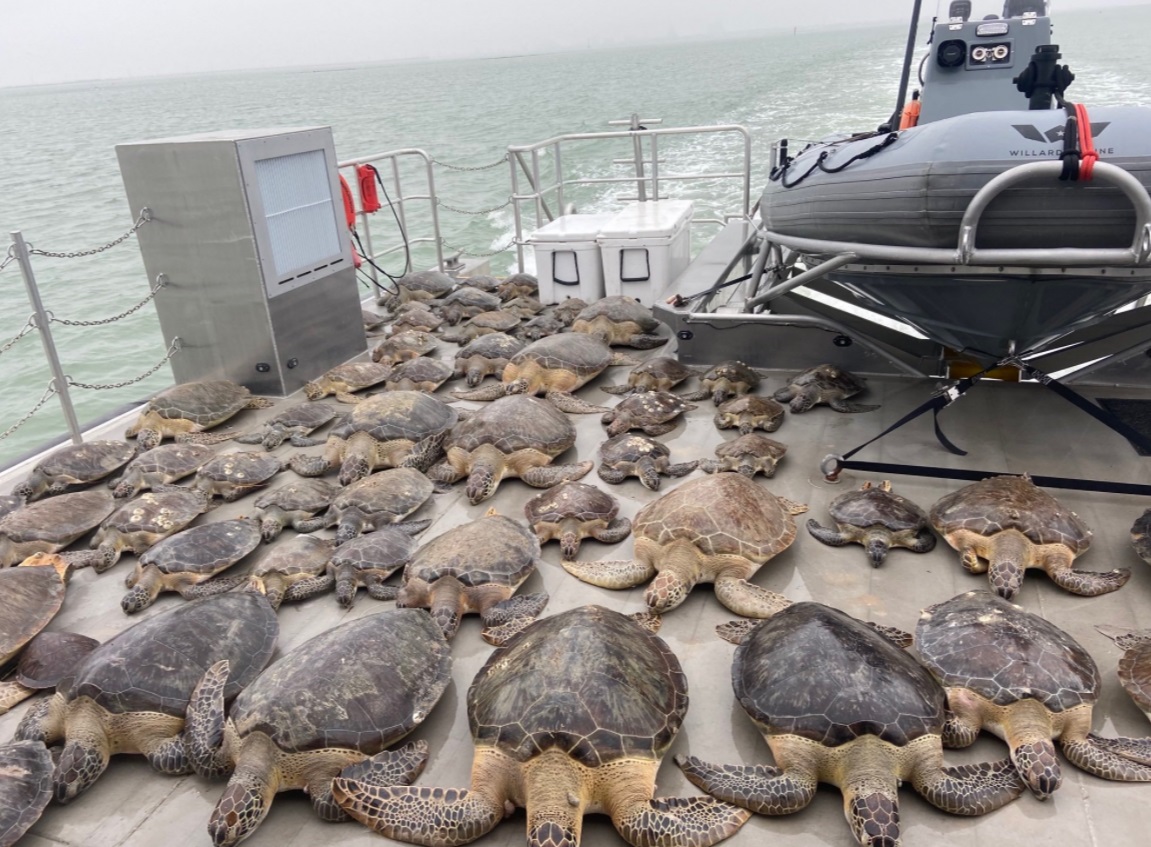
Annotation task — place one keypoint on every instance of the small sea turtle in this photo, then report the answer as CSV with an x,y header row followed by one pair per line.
x,y
294,424
419,374
294,570
465,302
424,285
1013,524
416,316
554,366
368,560
719,529
877,519
183,412
25,787
48,526
629,454
230,476
574,715
518,285
483,282
372,321
391,429
571,511
187,561
487,355
291,504
76,464
131,694
1134,670
476,567
619,319
653,412
823,384
749,454
331,707
663,373
541,326
838,703
567,311
482,324
33,593
344,379
517,435
377,500
724,381
48,658
749,412
160,466
1023,679
1141,536
407,345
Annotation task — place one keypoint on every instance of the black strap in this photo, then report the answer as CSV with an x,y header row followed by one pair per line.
x,y
1098,412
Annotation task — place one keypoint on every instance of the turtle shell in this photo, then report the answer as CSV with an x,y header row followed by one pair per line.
x,y
659,368
830,379
155,513
306,415
169,462
154,665
467,299
733,371
762,409
206,549
399,491
362,685
753,444
981,642
722,514
541,326
9,503
620,309
32,597
1011,502
571,500
303,554
498,321
590,682
483,282
873,506
647,408
416,315
77,464
818,673
493,549
630,447
386,548
405,345
58,520
515,422
25,789
432,283
494,345
421,369
576,352
392,415
204,403
355,375
299,495
52,656
247,468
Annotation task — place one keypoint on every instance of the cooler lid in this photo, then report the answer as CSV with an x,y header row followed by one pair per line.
x,y
650,218
571,228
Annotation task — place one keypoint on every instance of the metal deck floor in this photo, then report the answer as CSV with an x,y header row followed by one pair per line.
x,y
1010,428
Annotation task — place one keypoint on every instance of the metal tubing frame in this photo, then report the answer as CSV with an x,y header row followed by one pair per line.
x,y
820,270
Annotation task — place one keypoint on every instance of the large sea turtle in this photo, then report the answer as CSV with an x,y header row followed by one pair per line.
x,y
571,716
292,504
295,423
76,464
653,412
1134,674
619,319
518,285
344,379
487,355
878,519
726,380
719,529
631,454
823,384
331,707
415,315
139,524
131,693
1141,536
424,285
33,593
183,412
571,511
465,302
485,323
48,526
838,703
160,466
663,373
381,499
25,787
1024,679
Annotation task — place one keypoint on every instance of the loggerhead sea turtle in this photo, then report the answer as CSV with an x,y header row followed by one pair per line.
x,y
724,381
344,379
482,324
663,373
749,454
619,319
415,315
571,511
295,423
487,355
230,476
183,412
518,285
567,311
748,413
878,519
630,454
406,345
160,466
76,464
653,412
139,524
291,504
424,285
377,500
48,526
465,302
823,384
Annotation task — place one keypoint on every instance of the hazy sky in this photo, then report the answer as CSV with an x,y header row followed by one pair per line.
x,y
46,41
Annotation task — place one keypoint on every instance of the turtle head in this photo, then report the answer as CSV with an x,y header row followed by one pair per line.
x,y
32,487
482,481
242,807
80,765
126,486
143,593
516,386
313,390
874,819
270,527
1037,764
148,438
877,546
351,525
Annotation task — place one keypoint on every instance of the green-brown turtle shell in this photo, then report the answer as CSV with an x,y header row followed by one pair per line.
x,y
170,461
404,345
818,673
873,506
205,403
581,354
571,500
830,379
304,554
753,444
420,369
78,464
9,503
434,283
659,368
247,468
647,408
725,513
355,375
620,309
393,415
52,656
398,491
590,682
497,320
206,549
154,665
307,494
386,547
981,642
306,415
491,550
362,685
32,597
733,371
515,422
494,345
630,447
156,513
60,519
1011,502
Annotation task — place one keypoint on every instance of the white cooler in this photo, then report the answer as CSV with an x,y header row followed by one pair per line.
x,y
568,258
645,247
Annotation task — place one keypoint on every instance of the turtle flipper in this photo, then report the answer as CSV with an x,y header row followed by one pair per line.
x,y
611,574
898,637
712,466
960,730
1095,758
508,617
565,401
841,405
389,767
491,391
310,587
613,533
309,465
831,537
204,723
699,394
610,475
11,693
1135,749
549,475
413,527
169,756
681,469
206,439
686,821
212,587
1089,583
735,631
924,541
970,789
757,788
425,453
378,591
749,600
437,817
43,722
626,388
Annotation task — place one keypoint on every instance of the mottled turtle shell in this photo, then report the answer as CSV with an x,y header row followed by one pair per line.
x,y
1011,502
398,491
646,408
431,284
76,464
832,381
351,376
307,416
406,345
304,554
26,788
206,549
205,403
386,548
154,513
1140,536
300,495
496,321
665,369
493,549
466,301
618,309
762,412
733,371
518,285
722,514
873,506
167,463
154,665
571,500
589,682
393,415
52,656
483,282
32,597
9,503
515,422
754,444
362,685
541,326
568,310
58,520
573,352
818,673
494,345
372,320
981,642
630,447
420,370
247,468
416,315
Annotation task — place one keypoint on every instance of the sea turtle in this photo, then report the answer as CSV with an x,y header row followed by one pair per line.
x,y
484,282
749,412
160,466
372,321
663,373
9,503
839,703
465,302
630,454
1134,669
878,519
230,476
749,454
719,529
33,593
1023,679
183,412
482,324
419,374
291,504
518,435
416,316
377,500
331,707
344,379
619,319
390,429
1013,524
653,412
555,366
541,326
76,464
567,311
487,355
571,511
46,660
294,570
187,561
1141,536
524,308
131,694
424,285
726,380
295,423
518,285
823,384
368,560
406,345
572,716
476,567
25,787
48,526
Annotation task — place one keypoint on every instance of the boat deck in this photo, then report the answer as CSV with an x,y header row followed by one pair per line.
x,y
1012,428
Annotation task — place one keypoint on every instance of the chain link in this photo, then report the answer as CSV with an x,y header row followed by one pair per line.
x,y
503,205
47,395
161,281
462,252
10,343
145,216
502,160
173,349
9,258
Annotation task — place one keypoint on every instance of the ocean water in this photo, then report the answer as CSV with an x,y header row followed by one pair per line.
x,y
60,183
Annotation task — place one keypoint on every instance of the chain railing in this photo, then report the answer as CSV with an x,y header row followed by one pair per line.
x,y
452,167
172,350
145,216
161,281
30,326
